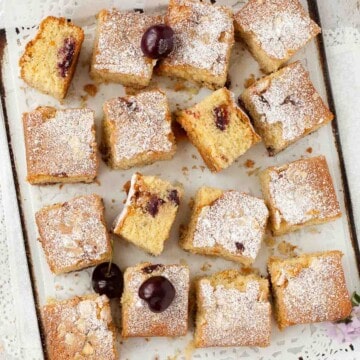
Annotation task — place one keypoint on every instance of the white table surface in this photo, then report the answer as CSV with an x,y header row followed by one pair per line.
x,y
341,30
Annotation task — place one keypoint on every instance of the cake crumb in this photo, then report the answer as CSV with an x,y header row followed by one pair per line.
x,y
202,167
126,186
194,156
269,241
254,172
205,266
185,170
61,186
249,81
249,163
286,248
194,167
91,89
309,150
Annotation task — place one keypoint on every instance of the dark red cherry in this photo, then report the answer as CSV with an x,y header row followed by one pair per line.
x,y
221,117
65,55
157,41
158,292
107,279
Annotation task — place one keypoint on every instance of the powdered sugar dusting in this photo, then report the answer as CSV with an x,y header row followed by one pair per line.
x,y
291,100
62,145
80,328
119,38
234,218
314,294
73,234
233,317
141,124
280,27
203,35
140,319
301,191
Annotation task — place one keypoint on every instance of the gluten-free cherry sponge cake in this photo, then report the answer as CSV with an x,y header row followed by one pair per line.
x,y
219,129
49,61
285,107
137,130
80,328
155,301
274,30
203,39
232,310
117,55
228,223
73,234
149,212
298,194
309,288
60,145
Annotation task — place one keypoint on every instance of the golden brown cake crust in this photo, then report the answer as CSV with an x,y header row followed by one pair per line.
x,y
232,310
230,224
79,328
149,212
204,36
73,234
60,145
39,63
309,288
219,129
257,22
137,319
117,55
299,194
285,107
137,130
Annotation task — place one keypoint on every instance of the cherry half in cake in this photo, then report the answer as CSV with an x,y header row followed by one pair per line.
x,y
157,41
158,292
107,279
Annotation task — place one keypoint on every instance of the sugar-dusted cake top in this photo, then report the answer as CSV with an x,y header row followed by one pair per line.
x,y
80,328
60,143
73,233
236,221
141,124
139,318
302,190
312,287
118,42
288,98
203,35
233,317
280,27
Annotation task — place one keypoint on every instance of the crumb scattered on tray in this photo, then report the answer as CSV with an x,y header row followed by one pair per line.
x,y
185,170
91,89
205,266
309,150
285,248
249,163
254,172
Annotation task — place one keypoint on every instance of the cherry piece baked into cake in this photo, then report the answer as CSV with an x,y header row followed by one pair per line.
x,y
285,107
299,194
219,129
149,212
232,310
73,234
203,39
137,130
274,30
60,145
117,55
309,288
155,300
49,61
80,328
230,224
